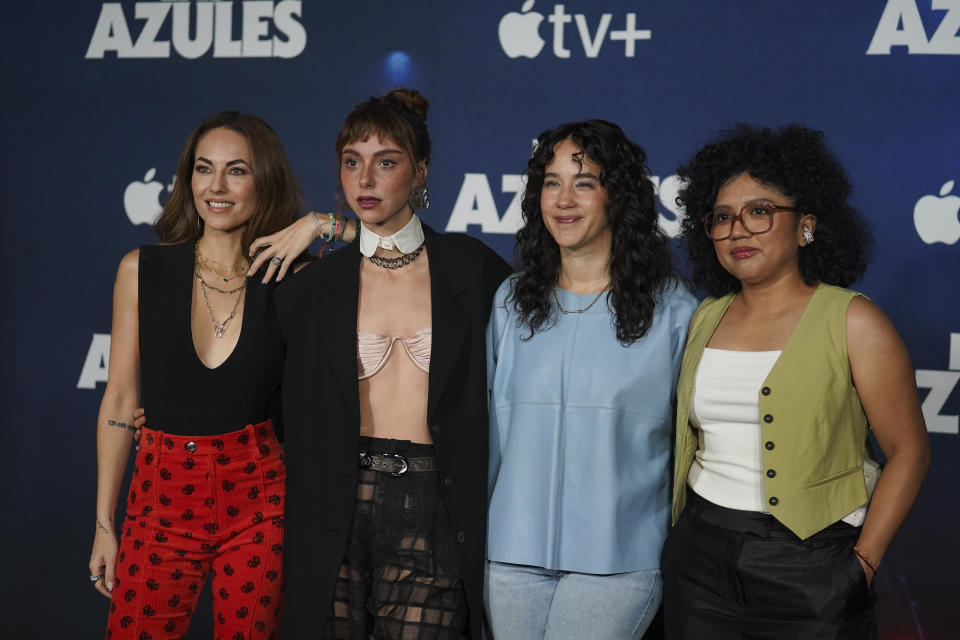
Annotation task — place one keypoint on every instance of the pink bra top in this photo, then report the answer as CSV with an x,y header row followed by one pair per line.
x,y
373,351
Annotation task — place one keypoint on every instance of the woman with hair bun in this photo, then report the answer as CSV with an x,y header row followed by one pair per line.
x,y
384,407
583,350
784,374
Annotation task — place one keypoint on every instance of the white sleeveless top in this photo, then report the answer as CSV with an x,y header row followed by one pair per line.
x,y
728,469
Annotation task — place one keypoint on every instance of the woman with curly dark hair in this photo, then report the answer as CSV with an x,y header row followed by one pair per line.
x,y
784,372
583,349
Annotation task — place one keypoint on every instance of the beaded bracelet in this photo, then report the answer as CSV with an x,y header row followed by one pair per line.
x,y
333,220
873,567
338,228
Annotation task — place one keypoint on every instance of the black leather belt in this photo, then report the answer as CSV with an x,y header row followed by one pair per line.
x,y
395,464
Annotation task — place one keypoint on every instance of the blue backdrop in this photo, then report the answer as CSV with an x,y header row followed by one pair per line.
x,y
99,97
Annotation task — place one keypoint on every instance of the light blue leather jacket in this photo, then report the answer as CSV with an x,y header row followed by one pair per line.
x,y
581,429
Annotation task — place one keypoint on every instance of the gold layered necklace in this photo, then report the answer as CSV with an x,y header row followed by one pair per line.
x,y
220,270
201,261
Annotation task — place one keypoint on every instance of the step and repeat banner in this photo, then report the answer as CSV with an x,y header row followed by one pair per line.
x,y
98,98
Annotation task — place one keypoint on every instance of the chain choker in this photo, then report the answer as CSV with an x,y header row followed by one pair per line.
x,y
395,263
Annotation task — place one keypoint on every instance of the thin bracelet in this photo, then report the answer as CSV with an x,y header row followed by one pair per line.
x,y
316,221
873,567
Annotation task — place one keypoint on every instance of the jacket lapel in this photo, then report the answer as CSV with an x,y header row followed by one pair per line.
x,y
450,321
337,307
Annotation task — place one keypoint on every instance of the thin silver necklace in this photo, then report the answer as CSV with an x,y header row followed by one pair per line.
x,y
219,327
586,308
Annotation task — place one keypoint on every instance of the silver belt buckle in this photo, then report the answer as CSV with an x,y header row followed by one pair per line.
x,y
401,464
380,461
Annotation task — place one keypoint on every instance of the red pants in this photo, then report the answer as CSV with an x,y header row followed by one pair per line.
x,y
198,506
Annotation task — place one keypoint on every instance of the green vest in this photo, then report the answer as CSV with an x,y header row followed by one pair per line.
x,y
813,428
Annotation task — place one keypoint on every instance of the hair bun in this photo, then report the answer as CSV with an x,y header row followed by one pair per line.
x,y
411,100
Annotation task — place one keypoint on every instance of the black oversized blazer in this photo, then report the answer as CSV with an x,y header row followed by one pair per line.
x,y
321,415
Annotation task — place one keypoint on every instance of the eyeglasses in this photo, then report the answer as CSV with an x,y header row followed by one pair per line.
x,y
756,217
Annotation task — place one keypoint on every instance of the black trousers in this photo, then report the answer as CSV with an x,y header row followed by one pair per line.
x,y
730,574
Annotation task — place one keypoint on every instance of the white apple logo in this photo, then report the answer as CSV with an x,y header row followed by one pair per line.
x,y
520,32
141,200
936,218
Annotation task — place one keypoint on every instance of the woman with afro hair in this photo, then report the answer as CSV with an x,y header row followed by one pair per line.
x,y
583,350
785,372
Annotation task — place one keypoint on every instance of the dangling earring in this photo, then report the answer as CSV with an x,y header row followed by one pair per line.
x,y
807,235
419,197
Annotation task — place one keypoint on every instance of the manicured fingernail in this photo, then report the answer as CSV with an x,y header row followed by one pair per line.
x,y
109,586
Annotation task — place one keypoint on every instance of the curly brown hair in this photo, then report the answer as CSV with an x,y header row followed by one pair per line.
x,y
795,161
640,266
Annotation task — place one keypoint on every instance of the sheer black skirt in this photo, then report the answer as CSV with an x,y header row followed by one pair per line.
x,y
399,577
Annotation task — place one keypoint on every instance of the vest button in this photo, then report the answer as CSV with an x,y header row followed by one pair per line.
x,y
461,537
768,418
448,481
769,445
190,446
773,501
765,391
771,473
435,429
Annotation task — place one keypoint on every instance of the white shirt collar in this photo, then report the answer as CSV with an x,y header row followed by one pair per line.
x,y
405,241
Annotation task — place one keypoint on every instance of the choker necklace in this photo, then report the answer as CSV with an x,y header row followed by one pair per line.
x,y
586,308
395,263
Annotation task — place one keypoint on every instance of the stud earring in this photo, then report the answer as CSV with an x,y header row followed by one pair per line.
x,y
807,235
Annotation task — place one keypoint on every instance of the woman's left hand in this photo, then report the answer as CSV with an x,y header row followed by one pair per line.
x,y
139,421
282,247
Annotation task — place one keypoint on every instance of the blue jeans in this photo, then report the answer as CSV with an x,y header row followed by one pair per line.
x,y
530,603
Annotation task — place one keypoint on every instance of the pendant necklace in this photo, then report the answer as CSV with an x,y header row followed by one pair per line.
x,y
586,308
219,327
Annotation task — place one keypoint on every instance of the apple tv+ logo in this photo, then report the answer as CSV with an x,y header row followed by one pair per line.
x,y
519,32
936,217
141,200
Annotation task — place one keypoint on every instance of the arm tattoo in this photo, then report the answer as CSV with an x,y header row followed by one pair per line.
x,y
121,425
101,527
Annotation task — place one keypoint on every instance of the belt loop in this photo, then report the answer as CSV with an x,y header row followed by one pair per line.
x,y
697,507
770,524
253,441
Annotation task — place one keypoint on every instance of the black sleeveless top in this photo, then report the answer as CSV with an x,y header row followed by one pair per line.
x,y
179,393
